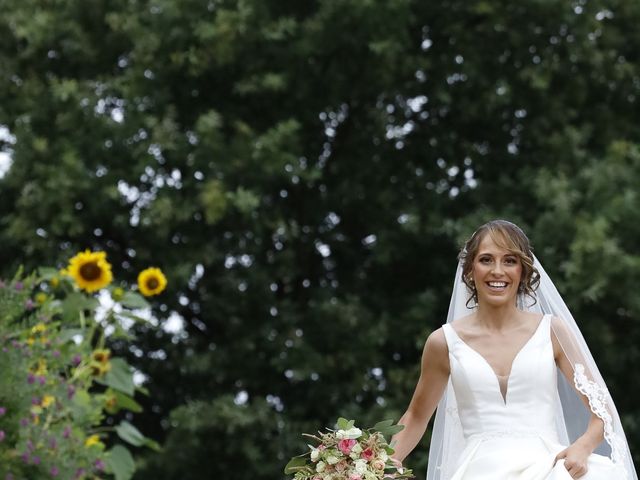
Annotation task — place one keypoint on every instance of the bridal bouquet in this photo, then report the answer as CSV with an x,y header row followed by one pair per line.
x,y
349,453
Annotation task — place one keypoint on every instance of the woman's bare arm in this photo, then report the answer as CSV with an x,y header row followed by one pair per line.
x,y
433,379
594,434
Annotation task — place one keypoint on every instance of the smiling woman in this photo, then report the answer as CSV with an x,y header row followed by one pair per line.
x,y
503,410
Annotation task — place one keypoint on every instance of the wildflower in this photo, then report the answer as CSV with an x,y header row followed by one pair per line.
x,y
66,433
41,298
100,362
117,294
99,369
151,281
2,435
101,355
90,270
38,328
92,440
54,471
47,400
54,282
3,410
41,369
31,378
99,465
28,304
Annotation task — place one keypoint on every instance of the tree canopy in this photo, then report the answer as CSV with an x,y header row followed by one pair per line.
x,y
304,173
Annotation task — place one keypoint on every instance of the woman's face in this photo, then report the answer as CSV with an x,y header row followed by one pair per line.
x,y
496,273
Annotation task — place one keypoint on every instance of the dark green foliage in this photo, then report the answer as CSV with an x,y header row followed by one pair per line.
x,y
304,173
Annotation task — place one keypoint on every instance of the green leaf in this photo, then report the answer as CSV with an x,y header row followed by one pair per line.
x,y
120,462
124,402
134,300
119,377
345,424
75,303
294,465
132,435
387,429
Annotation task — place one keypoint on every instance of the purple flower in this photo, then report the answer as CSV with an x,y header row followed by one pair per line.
x,y
76,360
24,422
29,304
71,390
25,457
5,349
31,378
3,410
2,435
35,460
55,354
99,465
29,445
54,471
18,286
79,473
35,401
42,380
53,444
67,432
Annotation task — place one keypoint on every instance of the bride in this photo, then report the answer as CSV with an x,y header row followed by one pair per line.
x,y
518,394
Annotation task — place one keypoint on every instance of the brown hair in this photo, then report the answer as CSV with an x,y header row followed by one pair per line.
x,y
506,235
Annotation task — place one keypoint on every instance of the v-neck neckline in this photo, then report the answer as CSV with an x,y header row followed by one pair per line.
x,y
513,362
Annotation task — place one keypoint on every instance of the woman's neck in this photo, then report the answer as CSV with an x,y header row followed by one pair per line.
x,y
497,318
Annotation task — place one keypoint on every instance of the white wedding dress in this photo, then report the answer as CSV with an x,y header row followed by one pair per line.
x,y
512,437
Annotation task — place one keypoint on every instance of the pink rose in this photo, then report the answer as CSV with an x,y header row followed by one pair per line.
x,y
367,454
378,464
355,476
346,445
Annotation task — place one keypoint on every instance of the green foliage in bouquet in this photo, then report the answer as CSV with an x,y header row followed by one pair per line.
x,y
59,382
349,453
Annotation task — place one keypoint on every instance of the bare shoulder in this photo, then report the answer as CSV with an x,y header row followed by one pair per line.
x,y
437,341
436,351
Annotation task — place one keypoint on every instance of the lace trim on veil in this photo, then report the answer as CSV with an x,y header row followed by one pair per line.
x,y
597,397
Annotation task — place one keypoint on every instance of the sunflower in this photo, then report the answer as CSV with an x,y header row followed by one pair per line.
x,y
90,270
151,281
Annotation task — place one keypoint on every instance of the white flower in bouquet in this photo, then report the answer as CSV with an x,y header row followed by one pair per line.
x,y
320,466
315,454
360,466
332,459
383,456
353,432
357,448
378,464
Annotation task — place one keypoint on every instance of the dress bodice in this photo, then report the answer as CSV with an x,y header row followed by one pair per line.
x,y
531,387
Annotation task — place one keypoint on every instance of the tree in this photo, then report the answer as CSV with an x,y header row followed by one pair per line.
x,y
304,173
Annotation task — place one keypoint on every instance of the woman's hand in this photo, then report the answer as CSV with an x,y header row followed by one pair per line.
x,y
396,463
575,459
